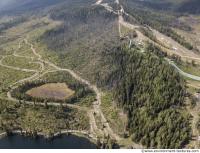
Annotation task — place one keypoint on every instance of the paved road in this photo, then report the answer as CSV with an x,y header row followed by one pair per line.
x,y
193,77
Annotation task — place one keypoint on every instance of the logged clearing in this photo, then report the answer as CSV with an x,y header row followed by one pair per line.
x,y
191,36
59,91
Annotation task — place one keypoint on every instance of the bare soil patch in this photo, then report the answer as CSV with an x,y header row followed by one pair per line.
x,y
58,91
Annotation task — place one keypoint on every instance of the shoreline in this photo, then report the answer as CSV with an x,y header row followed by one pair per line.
x,y
84,134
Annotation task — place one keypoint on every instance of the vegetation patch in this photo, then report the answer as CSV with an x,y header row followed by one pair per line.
x,y
20,62
162,22
58,91
81,53
189,67
25,50
9,76
11,23
48,120
115,117
53,87
126,32
151,93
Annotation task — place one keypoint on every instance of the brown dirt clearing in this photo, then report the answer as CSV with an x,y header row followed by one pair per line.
x,y
59,91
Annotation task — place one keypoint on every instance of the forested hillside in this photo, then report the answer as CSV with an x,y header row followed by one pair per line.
x,y
176,6
14,22
85,33
18,7
162,21
111,60
151,92
190,6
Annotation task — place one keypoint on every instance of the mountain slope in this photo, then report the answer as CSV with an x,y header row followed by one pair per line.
x,y
22,6
109,48
178,6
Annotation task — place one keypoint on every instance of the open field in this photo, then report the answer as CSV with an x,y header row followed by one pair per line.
x,y
115,116
24,50
81,63
126,32
194,35
38,24
9,76
20,62
193,86
32,30
58,91
7,48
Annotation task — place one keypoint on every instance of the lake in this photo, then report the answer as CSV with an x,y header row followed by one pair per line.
x,y
63,142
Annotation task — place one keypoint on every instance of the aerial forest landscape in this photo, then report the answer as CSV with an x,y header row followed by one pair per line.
x,y
99,74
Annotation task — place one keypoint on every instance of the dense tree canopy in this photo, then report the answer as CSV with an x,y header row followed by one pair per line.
x,y
151,92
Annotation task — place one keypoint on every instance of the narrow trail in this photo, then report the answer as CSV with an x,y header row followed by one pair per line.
x,y
183,52
16,55
94,130
164,38
38,73
36,76
173,47
96,104
195,133
14,68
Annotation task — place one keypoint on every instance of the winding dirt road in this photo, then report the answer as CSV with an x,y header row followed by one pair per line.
x,y
175,48
94,130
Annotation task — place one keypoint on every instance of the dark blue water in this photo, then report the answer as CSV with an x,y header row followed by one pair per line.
x,y
63,142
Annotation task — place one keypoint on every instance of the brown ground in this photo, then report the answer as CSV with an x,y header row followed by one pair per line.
x,y
58,91
194,35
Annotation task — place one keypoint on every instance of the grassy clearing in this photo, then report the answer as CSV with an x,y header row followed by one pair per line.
x,y
9,76
193,86
52,90
34,36
34,24
20,62
25,50
127,32
87,100
114,116
32,30
191,36
7,48
45,53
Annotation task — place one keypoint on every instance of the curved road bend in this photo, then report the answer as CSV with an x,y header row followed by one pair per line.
x,y
193,77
